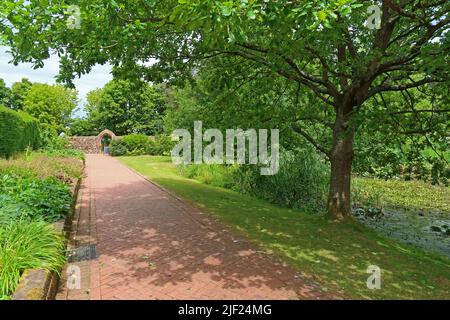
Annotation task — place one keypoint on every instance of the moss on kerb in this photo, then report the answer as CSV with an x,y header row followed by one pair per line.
x,y
35,294
23,282
32,285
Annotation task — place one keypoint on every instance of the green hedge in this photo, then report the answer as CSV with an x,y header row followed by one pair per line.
x,y
140,144
18,130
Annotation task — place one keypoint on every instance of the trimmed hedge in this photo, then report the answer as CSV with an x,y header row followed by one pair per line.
x,y
18,130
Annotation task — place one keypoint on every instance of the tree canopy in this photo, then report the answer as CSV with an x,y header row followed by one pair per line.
x,y
52,105
19,90
125,107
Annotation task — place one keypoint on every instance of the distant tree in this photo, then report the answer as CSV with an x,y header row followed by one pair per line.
x,y
5,94
126,107
83,127
52,105
225,99
19,90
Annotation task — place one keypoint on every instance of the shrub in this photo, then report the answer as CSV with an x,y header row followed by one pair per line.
x,y
31,134
27,245
301,182
140,144
30,198
18,131
136,144
117,148
163,145
410,159
152,148
213,174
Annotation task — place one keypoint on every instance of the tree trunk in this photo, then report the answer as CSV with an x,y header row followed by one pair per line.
x,y
341,157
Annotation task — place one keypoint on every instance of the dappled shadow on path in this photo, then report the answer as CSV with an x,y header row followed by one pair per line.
x,y
152,245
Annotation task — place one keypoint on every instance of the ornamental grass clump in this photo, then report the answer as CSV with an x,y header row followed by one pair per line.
x,y
26,245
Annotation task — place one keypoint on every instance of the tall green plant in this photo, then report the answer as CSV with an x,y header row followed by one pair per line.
x,y
28,245
300,183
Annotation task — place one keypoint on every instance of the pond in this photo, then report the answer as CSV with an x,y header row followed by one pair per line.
x,y
429,231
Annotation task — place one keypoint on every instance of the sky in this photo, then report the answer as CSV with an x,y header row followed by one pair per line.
x,y
97,78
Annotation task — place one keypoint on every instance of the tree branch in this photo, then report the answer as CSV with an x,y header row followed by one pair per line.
x,y
310,139
413,84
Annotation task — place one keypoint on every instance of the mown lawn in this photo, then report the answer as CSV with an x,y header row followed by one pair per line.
x,y
335,254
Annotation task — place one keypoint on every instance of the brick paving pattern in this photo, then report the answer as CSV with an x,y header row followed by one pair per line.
x,y
151,245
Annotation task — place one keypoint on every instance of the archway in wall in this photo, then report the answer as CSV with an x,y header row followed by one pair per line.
x,y
91,144
101,138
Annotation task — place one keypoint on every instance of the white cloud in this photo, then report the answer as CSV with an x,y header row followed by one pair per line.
x,y
97,78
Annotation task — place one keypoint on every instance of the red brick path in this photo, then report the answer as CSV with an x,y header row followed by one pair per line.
x,y
151,245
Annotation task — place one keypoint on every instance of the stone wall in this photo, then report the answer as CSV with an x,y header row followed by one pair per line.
x,y
85,144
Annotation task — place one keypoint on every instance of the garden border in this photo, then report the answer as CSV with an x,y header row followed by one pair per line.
x,y
40,284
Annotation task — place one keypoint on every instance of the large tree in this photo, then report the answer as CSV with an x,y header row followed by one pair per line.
x,y
324,46
399,145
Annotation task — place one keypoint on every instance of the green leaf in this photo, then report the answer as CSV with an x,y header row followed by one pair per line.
x,y
251,15
114,4
231,38
322,15
346,10
226,11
